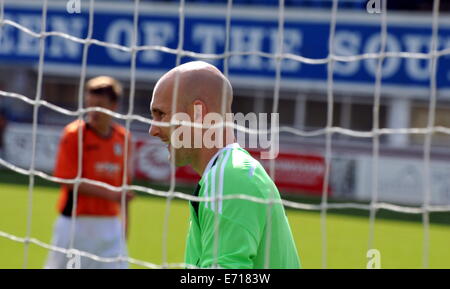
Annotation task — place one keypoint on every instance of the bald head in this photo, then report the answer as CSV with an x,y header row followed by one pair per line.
x,y
202,92
197,80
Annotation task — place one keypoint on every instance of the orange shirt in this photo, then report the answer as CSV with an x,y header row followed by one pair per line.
x,y
103,160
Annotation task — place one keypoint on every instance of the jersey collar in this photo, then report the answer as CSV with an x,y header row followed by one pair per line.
x,y
212,160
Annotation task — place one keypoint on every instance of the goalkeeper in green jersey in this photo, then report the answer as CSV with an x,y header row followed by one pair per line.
x,y
224,232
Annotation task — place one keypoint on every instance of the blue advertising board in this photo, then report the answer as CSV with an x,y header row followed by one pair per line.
x,y
306,34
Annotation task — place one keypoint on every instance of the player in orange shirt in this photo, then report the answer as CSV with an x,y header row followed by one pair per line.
x,y
98,227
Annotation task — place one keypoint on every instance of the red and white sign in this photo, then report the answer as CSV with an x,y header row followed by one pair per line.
x,y
293,172
152,163
296,172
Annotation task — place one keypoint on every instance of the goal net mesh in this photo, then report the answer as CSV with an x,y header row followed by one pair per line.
x,y
278,57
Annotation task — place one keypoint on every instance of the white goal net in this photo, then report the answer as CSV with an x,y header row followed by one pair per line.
x,y
338,59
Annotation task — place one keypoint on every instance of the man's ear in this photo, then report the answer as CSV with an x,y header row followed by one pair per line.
x,y
199,110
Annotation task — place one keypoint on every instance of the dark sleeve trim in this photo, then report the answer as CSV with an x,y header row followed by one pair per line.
x,y
67,210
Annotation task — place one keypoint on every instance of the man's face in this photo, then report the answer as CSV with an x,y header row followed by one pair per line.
x,y
161,111
95,117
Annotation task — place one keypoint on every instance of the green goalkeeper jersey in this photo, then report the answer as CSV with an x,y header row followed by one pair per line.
x,y
238,233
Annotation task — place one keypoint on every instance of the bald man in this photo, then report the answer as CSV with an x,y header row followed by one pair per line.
x,y
224,232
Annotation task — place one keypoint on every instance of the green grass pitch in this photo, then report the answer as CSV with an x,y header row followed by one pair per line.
x,y
400,242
